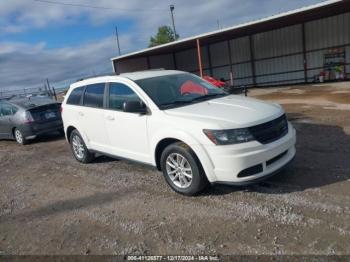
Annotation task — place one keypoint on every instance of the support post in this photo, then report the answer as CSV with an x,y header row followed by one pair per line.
x,y
148,63
174,60
199,58
209,61
252,59
230,61
304,51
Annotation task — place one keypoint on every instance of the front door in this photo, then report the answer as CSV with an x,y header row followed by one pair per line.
x,y
127,132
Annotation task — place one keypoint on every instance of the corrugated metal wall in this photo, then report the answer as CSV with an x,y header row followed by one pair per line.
x,y
322,35
277,56
130,65
241,66
162,61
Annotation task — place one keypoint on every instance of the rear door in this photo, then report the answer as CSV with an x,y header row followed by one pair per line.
x,y
72,108
91,116
6,112
127,132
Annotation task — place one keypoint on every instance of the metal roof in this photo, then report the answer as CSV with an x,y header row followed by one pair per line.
x,y
304,14
138,75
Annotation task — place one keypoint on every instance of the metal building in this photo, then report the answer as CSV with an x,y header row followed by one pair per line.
x,y
293,47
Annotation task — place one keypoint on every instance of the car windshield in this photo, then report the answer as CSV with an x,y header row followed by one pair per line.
x,y
178,90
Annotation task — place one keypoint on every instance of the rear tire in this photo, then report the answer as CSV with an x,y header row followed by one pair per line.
x,y
20,139
182,169
79,149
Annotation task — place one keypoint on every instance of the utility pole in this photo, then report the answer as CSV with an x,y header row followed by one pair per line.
x,y
45,87
218,22
49,88
116,34
172,7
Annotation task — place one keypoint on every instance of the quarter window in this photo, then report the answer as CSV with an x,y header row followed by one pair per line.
x,y
75,96
94,95
7,109
120,93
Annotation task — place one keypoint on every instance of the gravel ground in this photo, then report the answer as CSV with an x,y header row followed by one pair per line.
x,y
51,204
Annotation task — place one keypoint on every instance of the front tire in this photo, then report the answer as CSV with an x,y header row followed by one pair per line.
x,y
182,169
20,139
79,149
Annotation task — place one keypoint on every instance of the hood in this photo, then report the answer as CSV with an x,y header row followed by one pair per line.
x,y
229,112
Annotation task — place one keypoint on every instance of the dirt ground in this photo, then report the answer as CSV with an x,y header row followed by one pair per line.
x,y
51,204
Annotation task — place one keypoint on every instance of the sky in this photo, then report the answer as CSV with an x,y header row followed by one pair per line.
x,y
41,39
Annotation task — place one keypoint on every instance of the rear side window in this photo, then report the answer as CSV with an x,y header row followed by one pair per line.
x,y
75,96
7,109
94,95
120,93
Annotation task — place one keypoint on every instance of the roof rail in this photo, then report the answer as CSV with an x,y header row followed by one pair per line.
x,y
115,74
92,76
153,69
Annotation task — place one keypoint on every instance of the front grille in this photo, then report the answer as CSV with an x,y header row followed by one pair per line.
x,y
270,131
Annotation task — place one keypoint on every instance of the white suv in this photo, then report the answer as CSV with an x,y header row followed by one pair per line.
x,y
192,131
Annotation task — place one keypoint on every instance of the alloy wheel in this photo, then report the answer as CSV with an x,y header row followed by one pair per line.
x,y
18,136
78,147
179,170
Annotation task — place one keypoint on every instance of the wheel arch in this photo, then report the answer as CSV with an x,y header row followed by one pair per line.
x,y
69,131
200,153
162,144
13,131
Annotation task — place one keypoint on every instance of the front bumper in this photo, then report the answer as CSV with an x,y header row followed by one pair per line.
x,y
250,162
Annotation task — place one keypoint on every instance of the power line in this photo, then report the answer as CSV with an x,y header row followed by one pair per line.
x,y
99,7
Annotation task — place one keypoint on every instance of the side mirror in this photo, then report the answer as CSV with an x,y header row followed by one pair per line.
x,y
134,107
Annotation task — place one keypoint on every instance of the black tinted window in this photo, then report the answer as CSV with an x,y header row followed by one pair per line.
x,y
75,96
7,109
118,94
94,95
177,89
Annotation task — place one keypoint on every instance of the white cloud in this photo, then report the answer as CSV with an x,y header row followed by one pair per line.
x,y
25,66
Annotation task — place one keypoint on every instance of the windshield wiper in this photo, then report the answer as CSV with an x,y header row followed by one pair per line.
x,y
208,96
182,102
176,102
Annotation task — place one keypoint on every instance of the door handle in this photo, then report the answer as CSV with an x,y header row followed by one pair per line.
x,y
110,118
81,113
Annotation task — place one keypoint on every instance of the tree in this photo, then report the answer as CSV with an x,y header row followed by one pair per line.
x,y
165,35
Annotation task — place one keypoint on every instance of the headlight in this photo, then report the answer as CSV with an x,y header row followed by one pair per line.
x,y
230,136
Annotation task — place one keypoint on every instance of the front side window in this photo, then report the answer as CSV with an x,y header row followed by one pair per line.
x,y
7,109
75,96
120,93
93,96
178,90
